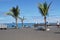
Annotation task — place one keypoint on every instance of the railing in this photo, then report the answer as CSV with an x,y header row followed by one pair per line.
x,y
3,26
36,25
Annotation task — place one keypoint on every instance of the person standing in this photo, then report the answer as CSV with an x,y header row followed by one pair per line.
x,y
57,24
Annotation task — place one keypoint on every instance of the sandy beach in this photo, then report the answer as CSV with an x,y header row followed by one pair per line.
x,y
29,34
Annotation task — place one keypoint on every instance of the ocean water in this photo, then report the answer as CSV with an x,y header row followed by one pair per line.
x,y
10,25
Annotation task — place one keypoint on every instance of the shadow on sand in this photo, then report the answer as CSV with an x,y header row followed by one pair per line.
x,y
57,32
40,29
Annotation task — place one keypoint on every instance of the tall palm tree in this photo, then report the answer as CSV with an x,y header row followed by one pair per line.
x,y
44,7
14,12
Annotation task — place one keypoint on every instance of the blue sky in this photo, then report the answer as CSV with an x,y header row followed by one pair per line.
x,y
29,9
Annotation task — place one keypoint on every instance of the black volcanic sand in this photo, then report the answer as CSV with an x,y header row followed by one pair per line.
x,y
29,34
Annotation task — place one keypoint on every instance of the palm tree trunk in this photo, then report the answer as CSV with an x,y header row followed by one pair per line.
x,y
16,24
22,23
45,22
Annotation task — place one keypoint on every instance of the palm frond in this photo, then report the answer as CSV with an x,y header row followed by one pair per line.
x,y
24,18
10,13
49,4
21,18
41,8
15,11
44,8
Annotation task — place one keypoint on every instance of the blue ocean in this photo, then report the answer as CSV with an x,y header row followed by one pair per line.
x,y
10,25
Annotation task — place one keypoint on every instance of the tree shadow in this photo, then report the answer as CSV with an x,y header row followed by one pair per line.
x,y
40,29
57,32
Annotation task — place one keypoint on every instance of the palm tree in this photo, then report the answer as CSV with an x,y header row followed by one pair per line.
x,y
14,12
22,21
44,10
